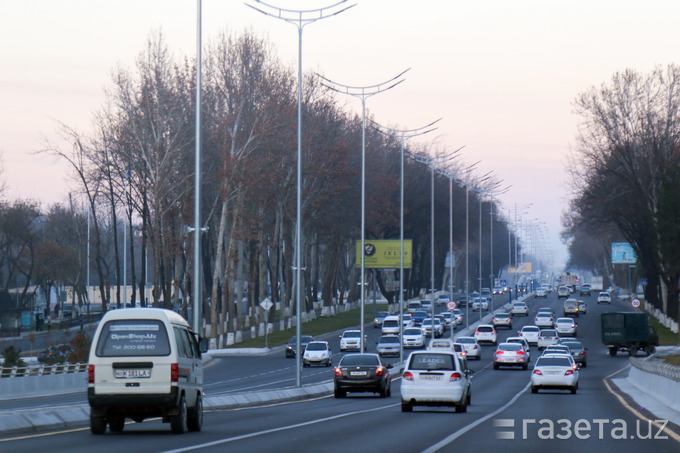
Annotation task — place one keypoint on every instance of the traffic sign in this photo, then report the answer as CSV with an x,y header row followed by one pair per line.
x,y
451,305
504,282
266,304
635,302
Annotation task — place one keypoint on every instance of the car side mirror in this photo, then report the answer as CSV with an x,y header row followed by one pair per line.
x,y
469,373
203,345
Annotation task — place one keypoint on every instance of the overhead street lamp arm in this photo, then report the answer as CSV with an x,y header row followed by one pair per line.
x,y
299,16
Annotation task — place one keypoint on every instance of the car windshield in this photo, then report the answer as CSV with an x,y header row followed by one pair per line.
x,y
359,359
382,314
352,334
553,361
303,339
317,346
389,340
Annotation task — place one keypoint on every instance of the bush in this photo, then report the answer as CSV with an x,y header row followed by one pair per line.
x,y
81,348
13,357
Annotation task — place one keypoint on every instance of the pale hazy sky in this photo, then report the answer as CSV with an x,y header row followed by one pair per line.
x,y
501,73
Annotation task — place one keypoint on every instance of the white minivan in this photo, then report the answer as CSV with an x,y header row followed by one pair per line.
x,y
145,362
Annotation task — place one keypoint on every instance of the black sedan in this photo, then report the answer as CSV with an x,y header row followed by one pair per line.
x,y
362,373
292,345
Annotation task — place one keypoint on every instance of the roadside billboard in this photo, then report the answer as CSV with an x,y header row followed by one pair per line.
x,y
384,253
623,253
522,268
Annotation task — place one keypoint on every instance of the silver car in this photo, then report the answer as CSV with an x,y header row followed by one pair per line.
x,y
510,354
388,345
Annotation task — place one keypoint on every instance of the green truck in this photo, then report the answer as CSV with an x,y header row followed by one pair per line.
x,y
628,332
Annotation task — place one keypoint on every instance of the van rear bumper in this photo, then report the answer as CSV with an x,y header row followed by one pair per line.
x,y
144,400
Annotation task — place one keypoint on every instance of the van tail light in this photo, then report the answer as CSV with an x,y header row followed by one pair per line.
x,y
174,372
407,375
455,376
90,374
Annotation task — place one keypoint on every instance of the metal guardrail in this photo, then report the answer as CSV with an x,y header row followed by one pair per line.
x,y
42,370
657,367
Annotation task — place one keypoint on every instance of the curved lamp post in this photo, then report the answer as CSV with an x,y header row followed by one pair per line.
x,y
363,93
299,18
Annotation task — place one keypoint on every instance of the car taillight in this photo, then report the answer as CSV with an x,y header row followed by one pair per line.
x,y
475,347
338,371
538,372
574,367
499,352
407,375
583,352
463,354
455,376
568,372
90,374
520,352
476,332
174,372
379,371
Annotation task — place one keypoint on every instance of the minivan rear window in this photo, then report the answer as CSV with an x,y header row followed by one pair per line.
x,y
133,338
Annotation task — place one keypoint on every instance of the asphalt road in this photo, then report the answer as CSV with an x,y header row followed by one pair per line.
x,y
503,414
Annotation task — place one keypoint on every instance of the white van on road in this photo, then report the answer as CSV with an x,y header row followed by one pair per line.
x,y
145,362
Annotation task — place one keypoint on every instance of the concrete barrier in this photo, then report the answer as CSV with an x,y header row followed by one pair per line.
x,y
657,379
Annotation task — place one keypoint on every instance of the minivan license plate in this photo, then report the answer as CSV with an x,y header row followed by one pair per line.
x,y
132,374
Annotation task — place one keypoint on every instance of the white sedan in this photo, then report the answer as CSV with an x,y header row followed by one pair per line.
x,y
554,372
434,378
472,348
544,319
317,353
604,298
547,337
486,333
530,334
413,338
566,326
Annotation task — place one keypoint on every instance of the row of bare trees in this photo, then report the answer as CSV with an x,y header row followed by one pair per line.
x,y
135,172
626,175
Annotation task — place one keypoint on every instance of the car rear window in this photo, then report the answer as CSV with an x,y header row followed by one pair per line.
x,y
432,362
358,359
386,340
485,329
412,332
553,361
531,329
133,338
387,323
510,346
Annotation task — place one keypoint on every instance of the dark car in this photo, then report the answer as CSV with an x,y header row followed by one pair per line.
x,y
379,318
292,345
55,354
578,351
418,316
362,373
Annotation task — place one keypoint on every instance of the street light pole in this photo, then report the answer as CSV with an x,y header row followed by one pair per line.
x,y
403,134
299,18
363,93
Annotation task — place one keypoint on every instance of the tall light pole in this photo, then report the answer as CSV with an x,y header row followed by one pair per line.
x,y
363,93
403,135
197,293
433,162
299,18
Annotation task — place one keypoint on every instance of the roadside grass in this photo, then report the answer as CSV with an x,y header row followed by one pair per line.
x,y
340,321
666,336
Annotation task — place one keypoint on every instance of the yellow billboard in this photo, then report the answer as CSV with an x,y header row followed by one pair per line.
x,y
522,268
384,253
